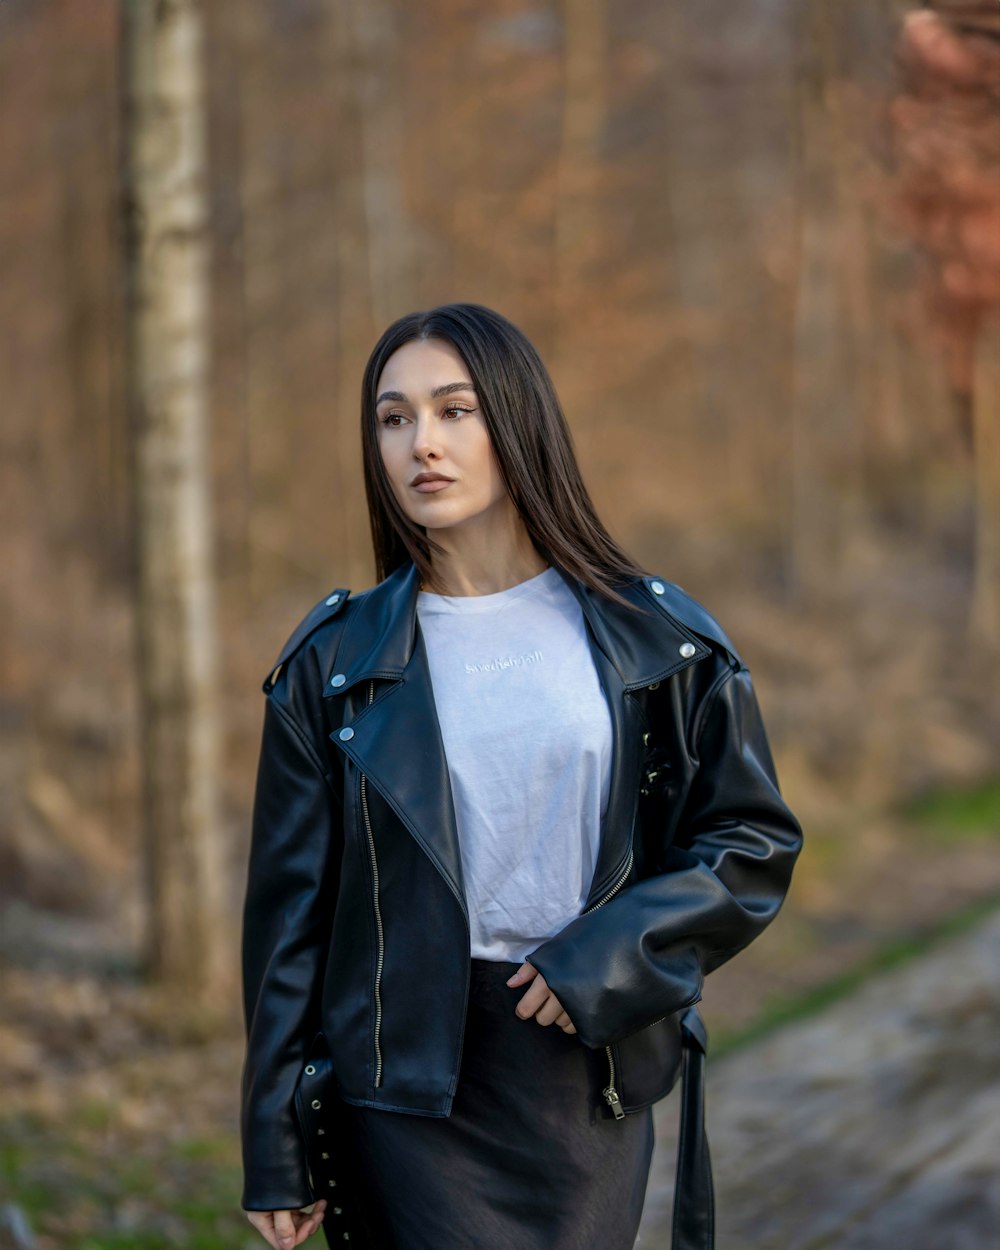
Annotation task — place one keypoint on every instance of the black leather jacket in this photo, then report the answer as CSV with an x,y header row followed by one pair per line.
x,y
355,924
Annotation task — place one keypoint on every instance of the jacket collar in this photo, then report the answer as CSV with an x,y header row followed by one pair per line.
x,y
646,645
381,631
643,646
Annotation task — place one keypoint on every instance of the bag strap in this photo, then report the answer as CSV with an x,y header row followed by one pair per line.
x,y
322,1119
694,1194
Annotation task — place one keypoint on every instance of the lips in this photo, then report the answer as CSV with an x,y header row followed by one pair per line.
x,y
430,483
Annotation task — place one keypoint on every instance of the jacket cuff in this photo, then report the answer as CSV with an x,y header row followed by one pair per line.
x,y
609,991
266,1190
275,1167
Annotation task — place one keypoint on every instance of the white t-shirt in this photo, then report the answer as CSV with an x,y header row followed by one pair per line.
x,y
527,735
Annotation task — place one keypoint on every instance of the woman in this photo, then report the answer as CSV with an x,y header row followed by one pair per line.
x,y
518,783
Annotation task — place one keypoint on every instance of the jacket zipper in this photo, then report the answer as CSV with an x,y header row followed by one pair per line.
x,y
611,1091
378,918
611,1094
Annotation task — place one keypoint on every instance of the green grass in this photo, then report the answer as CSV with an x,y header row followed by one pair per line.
x,y
203,1149
944,815
98,1114
143,1240
84,1187
790,1008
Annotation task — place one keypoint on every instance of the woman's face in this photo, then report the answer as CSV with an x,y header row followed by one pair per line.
x,y
433,439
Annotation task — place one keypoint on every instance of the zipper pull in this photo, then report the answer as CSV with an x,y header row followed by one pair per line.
x,y
614,1102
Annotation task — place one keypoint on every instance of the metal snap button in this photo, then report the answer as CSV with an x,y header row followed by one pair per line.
x,y
654,685
346,735
687,649
310,1069
316,1104
332,600
657,588
337,679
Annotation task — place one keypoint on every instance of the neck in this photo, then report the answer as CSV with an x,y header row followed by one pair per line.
x,y
475,563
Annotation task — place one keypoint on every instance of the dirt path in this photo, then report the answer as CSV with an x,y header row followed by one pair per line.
x,y
874,1126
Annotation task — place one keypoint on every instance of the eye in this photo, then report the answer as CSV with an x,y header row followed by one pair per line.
x,y
454,408
393,419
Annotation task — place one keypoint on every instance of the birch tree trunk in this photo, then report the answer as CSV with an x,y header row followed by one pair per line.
x,y
166,240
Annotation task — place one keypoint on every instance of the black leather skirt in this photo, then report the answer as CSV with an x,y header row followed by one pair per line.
x,y
531,1157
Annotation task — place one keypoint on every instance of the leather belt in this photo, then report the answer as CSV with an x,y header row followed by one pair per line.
x,y
694,1193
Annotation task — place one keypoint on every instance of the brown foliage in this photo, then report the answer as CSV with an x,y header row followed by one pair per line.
x,y
946,124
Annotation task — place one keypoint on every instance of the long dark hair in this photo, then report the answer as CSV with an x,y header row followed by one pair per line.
x,y
530,439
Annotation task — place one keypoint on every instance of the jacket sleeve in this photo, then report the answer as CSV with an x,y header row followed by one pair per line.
x,y
645,953
287,917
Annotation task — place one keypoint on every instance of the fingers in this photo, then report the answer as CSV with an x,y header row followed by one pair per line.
x,y
539,1001
550,1010
312,1221
553,1012
566,1024
284,1230
263,1221
523,975
532,999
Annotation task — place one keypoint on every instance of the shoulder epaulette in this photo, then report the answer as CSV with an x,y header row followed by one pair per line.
x,y
319,615
676,602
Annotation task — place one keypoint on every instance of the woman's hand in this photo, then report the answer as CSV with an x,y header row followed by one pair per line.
x,y
539,1001
284,1229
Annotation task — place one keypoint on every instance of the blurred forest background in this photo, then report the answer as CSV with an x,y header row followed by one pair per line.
x,y
758,245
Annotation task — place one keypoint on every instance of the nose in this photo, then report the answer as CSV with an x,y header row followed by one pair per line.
x,y
426,440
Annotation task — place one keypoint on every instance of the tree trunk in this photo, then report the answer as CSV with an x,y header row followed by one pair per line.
x,y
985,614
356,327
265,449
378,80
167,276
822,408
577,217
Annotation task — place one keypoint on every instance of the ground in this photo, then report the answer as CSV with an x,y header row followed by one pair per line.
x,y
853,1094
873,1125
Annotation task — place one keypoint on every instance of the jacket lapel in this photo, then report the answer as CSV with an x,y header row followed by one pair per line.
x,y
623,789
631,650
395,739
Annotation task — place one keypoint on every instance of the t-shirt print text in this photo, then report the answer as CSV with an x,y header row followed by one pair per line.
x,y
505,661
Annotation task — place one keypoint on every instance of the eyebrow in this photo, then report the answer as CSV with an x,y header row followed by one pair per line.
x,y
448,389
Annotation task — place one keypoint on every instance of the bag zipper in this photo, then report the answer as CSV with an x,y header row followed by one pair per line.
x,y
378,918
611,1092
